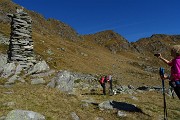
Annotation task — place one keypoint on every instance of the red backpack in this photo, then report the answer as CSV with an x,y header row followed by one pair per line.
x,y
102,80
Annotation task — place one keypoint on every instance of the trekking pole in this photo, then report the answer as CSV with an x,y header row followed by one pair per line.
x,y
161,72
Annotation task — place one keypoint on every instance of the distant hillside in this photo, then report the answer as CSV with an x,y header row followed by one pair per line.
x,y
111,40
157,43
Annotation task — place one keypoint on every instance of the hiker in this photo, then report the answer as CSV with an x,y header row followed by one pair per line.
x,y
102,82
174,77
109,80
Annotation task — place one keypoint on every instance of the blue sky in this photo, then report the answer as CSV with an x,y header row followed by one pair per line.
x,y
133,19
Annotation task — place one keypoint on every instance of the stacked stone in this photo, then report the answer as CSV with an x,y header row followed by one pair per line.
x,y
21,44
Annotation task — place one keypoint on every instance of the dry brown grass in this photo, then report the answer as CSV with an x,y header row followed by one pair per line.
x,y
58,106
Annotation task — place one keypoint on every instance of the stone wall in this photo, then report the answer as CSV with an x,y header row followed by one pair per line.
x,y
21,43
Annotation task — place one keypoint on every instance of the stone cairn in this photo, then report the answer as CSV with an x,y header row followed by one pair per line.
x,y
21,44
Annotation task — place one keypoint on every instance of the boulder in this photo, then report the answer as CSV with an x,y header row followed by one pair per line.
x,y
41,66
3,60
8,70
37,81
64,81
24,115
74,116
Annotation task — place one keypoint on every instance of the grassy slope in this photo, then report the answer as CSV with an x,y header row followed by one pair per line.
x,y
85,57
58,106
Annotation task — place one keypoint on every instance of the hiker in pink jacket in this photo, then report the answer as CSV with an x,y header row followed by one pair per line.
x,y
175,68
103,84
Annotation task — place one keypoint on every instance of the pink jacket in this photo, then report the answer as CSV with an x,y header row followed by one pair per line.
x,y
102,80
175,68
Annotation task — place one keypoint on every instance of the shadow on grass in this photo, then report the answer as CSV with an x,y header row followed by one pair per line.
x,y
92,94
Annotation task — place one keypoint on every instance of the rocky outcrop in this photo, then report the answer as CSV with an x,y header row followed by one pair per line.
x,y
14,71
64,80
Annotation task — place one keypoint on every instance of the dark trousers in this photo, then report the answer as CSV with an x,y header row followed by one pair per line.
x,y
110,83
104,88
177,91
176,87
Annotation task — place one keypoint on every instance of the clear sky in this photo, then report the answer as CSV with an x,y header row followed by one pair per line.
x,y
133,19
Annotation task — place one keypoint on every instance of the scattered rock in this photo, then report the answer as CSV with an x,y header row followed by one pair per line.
x,y
99,118
9,104
64,81
121,114
106,105
43,74
41,66
8,70
3,60
2,117
12,79
37,81
74,116
24,115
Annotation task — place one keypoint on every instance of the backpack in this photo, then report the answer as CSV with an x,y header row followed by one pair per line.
x,y
102,80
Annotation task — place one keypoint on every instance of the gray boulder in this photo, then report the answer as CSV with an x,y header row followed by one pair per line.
x,y
8,70
41,66
121,114
36,81
64,81
106,105
74,116
24,115
3,60
12,79
19,69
